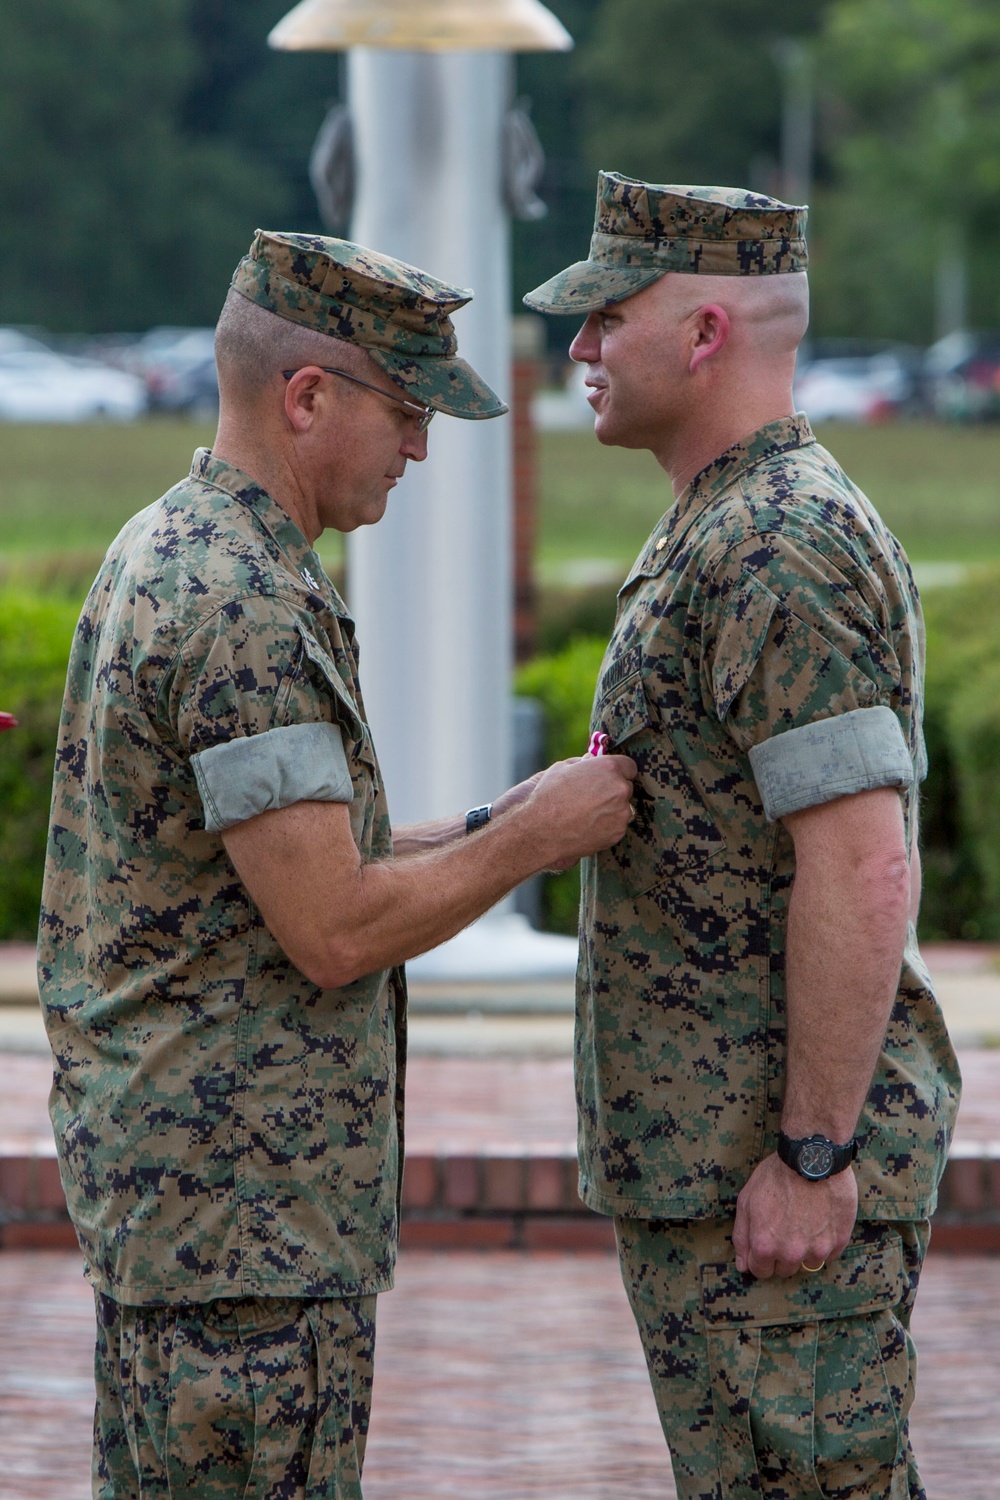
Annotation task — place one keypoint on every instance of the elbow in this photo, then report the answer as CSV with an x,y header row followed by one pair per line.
x,y
885,887
331,965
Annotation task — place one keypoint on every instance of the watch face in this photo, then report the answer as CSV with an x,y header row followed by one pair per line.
x,y
815,1158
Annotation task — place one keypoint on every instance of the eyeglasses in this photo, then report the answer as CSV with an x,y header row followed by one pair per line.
x,y
424,414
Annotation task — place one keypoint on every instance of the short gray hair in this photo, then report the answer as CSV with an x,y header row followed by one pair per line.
x,y
252,344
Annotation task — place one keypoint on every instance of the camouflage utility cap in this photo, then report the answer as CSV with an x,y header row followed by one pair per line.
x,y
400,315
643,230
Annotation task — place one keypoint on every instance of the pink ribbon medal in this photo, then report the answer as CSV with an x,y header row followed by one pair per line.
x,y
598,743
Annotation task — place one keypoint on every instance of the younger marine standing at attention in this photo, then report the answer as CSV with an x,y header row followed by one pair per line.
x,y
765,1084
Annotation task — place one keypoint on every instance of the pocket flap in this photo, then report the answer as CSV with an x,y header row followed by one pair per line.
x,y
346,711
743,630
624,712
864,1279
671,830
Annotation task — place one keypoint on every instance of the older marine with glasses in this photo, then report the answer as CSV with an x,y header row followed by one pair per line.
x,y
423,415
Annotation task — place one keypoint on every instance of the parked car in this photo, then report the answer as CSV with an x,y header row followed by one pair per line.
x,y
855,380
178,366
38,385
963,377
18,341
566,409
182,386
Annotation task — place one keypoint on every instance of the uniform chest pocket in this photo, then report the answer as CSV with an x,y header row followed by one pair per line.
x,y
345,712
672,829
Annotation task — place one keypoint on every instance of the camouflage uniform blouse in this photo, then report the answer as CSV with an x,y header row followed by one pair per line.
x,y
767,656
224,1127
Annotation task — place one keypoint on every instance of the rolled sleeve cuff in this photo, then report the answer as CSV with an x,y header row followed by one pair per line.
x,y
815,763
297,763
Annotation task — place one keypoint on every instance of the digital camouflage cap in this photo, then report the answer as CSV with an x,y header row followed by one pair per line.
x,y
399,314
643,229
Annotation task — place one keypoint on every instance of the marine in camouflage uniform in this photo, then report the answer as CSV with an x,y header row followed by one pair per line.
x,y
767,658
228,1120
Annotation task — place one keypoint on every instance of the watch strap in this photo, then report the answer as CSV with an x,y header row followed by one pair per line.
x,y
791,1151
478,817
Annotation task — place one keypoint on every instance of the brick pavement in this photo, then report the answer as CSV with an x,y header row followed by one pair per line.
x,y
500,1376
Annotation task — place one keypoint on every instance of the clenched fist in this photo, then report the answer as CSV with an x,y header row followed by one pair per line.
x,y
582,805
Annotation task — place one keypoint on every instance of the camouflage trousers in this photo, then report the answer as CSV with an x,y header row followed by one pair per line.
x,y
781,1389
259,1397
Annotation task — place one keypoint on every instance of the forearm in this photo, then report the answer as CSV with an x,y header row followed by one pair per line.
x,y
405,907
847,919
338,917
420,838
389,910
847,925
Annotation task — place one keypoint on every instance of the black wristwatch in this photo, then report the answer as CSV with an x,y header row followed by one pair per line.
x,y
478,817
816,1157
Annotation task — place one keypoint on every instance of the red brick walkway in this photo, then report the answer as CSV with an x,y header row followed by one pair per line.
x,y
500,1377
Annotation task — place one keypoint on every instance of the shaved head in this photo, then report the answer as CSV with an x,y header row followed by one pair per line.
x,y
689,364
769,314
253,344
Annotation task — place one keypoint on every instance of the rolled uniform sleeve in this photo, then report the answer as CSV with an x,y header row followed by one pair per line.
x,y
854,752
297,763
803,676
256,704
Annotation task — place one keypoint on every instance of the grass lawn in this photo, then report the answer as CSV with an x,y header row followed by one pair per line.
x,y
938,488
67,490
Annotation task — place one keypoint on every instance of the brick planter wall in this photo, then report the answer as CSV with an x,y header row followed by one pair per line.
x,y
501,1199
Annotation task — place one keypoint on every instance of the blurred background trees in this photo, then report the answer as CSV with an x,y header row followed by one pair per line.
x,y
675,92
909,216
140,145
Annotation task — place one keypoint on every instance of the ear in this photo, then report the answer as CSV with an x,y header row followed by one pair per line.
x,y
711,330
301,397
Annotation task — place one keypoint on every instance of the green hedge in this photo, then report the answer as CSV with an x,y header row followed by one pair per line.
x,y
960,805
35,634
564,685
